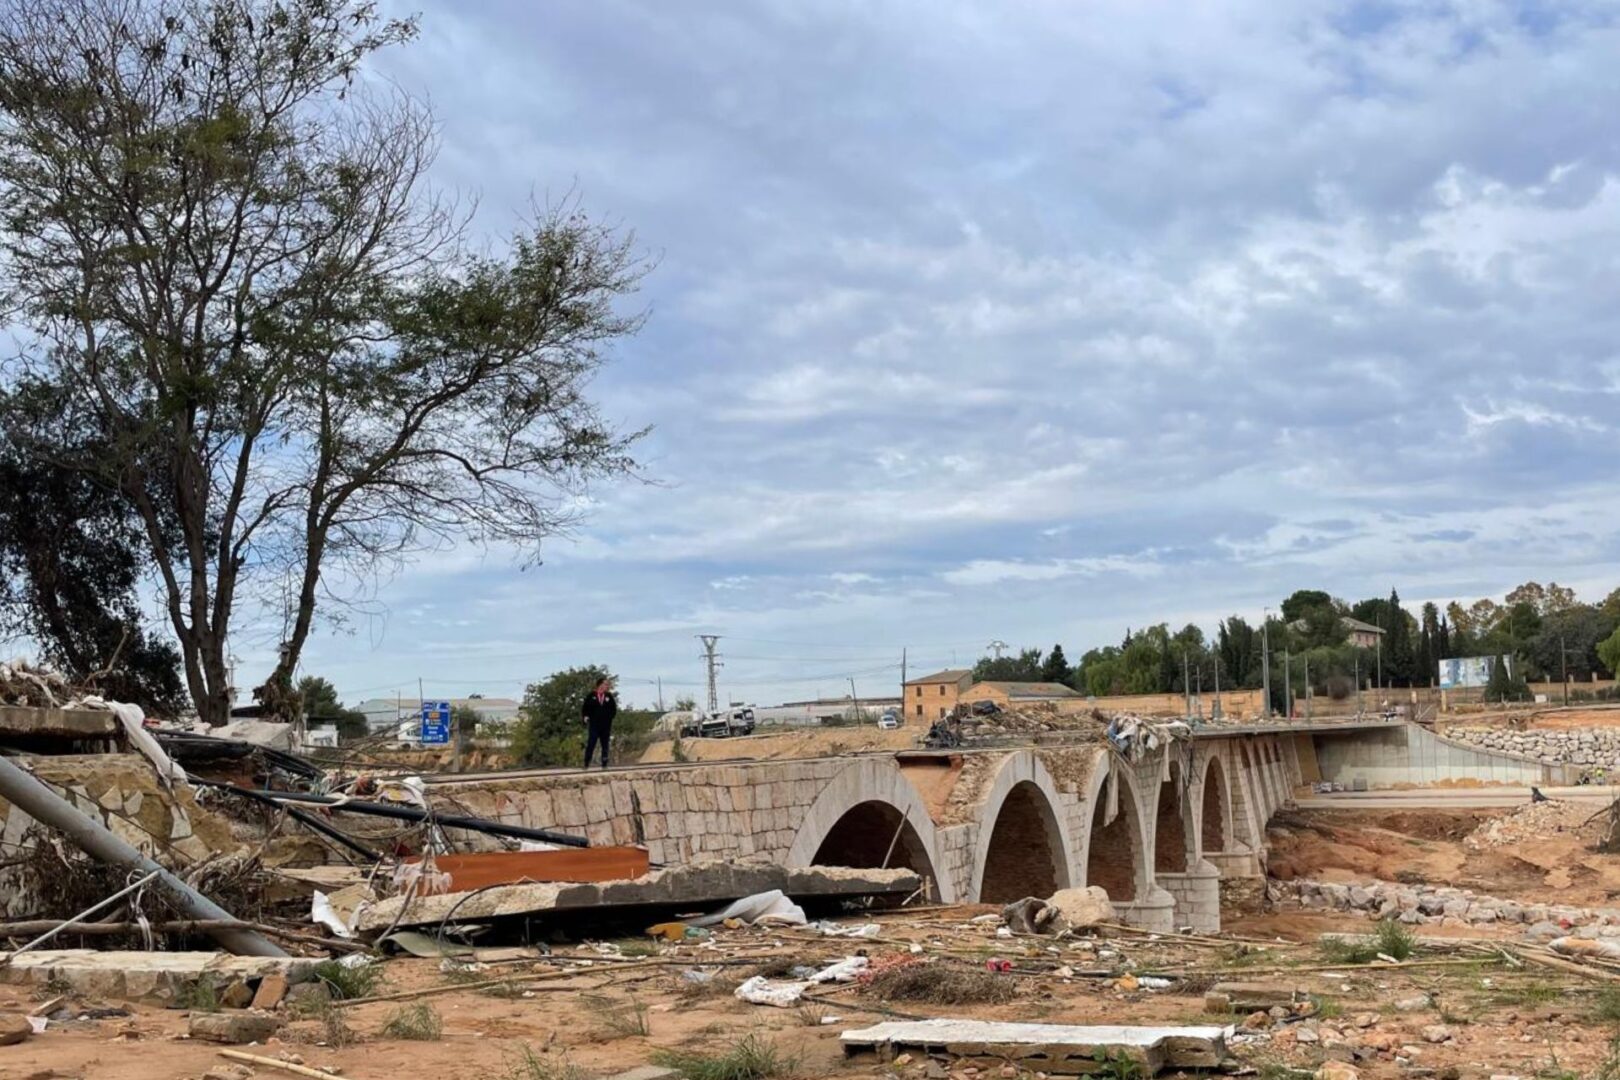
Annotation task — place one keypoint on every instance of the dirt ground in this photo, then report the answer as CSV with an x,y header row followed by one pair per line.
x,y
808,742
1550,864
1495,1020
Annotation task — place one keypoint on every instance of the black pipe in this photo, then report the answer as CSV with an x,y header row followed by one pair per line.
x,y
409,813
304,818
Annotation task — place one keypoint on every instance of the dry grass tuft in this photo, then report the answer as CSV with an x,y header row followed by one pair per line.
x,y
943,984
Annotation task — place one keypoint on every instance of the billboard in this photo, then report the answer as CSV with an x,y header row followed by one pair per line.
x,y
1466,671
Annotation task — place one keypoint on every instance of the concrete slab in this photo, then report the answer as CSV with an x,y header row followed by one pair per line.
x,y
24,721
1060,1049
154,977
696,887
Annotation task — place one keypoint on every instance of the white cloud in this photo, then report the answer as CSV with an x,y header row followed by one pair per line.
x,y
996,571
1270,295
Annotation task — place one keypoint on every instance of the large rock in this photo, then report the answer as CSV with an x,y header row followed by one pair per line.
x,y
14,1028
234,1028
1083,907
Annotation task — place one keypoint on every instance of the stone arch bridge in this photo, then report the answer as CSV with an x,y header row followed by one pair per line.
x,y
1160,833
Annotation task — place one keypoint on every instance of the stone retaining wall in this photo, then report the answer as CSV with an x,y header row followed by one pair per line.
x,y
1588,746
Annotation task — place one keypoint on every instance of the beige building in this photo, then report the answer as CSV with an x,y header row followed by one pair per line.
x,y
1361,634
934,696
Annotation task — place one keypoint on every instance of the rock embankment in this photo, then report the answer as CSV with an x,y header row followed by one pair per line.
x,y
1417,905
1598,747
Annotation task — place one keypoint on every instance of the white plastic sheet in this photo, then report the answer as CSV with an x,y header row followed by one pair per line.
x,y
771,907
762,991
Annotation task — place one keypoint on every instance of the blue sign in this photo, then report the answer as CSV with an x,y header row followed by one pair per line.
x,y
435,723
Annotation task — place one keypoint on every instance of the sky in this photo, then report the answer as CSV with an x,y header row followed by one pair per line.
x,y
1034,322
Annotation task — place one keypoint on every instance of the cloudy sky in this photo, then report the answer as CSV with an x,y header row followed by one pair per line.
x,y
1035,321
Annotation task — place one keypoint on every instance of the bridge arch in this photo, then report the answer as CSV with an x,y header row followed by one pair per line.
x,y
1116,851
1024,844
1174,838
867,813
1220,828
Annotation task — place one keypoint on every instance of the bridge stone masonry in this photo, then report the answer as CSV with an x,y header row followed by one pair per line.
x,y
1163,833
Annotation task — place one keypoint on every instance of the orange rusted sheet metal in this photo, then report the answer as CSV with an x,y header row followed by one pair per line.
x,y
478,869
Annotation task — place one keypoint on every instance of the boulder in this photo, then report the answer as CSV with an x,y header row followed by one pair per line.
x,y
14,1028
1083,907
234,1028
1337,1070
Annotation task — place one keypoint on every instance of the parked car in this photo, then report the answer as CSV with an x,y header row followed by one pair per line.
x,y
889,721
985,708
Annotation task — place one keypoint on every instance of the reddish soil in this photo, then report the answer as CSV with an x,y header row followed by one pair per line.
x,y
1426,847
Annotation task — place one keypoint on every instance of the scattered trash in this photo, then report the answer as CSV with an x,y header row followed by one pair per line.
x,y
759,990
832,929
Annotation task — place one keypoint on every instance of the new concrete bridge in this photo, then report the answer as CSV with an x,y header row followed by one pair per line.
x,y
1164,831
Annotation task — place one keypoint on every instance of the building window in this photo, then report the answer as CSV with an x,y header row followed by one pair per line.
x,y
919,691
942,690
919,710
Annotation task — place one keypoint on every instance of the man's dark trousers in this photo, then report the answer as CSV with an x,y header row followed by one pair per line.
x,y
597,731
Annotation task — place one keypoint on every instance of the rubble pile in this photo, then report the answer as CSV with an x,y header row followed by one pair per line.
x,y
1531,821
23,682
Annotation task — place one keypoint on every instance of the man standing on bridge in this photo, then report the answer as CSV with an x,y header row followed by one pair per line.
x,y
598,711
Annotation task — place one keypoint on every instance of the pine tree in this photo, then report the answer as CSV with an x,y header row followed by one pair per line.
x,y
1399,660
1055,668
1499,687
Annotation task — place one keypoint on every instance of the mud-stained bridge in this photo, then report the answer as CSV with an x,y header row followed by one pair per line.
x,y
1160,831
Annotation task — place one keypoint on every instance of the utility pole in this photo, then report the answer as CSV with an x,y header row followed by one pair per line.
x,y
712,660
660,693
1307,687
1380,644
854,701
1358,684
902,680
1215,713
1265,659
997,647
1288,686
1186,683
1563,660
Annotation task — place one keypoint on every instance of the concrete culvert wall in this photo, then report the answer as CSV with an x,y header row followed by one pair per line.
x,y
863,837
1213,837
1111,855
1024,848
1170,837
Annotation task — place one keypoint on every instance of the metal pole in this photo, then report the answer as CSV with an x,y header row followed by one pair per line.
x,y
1563,659
1288,685
1307,688
1265,659
1186,684
42,804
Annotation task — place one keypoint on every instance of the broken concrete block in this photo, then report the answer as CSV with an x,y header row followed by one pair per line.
x,y
272,988
1251,997
235,1028
1083,907
14,1028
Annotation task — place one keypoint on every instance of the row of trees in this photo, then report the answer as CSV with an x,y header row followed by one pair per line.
x,y
1545,630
